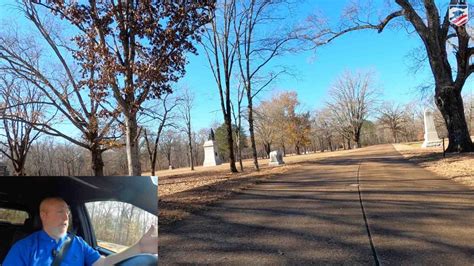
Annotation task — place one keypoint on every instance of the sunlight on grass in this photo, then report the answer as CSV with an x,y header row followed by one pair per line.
x,y
416,144
111,246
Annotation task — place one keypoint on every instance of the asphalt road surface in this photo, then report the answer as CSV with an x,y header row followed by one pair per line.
x,y
370,207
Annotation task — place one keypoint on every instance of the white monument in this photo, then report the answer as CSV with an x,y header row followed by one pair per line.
x,y
276,158
431,136
211,157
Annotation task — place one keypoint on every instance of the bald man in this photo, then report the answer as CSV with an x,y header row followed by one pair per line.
x,y
41,247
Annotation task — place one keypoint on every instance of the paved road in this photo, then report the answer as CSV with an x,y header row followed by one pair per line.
x,y
366,208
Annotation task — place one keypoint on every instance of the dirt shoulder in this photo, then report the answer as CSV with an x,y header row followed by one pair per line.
x,y
458,167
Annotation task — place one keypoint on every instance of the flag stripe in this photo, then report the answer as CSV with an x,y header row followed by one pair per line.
x,y
460,23
460,18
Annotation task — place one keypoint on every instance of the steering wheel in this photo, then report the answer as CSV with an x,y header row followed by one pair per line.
x,y
140,260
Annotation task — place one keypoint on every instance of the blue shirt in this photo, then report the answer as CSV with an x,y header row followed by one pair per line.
x,y
37,250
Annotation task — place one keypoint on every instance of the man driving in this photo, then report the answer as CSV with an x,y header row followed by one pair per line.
x,y
42,247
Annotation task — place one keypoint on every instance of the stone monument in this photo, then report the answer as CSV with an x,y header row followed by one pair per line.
x,y
431,136
211,158
276,158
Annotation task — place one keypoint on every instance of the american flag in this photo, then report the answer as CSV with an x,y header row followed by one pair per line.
x,y
458,14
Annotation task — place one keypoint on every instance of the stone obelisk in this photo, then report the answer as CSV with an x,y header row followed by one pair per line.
x,y
211,157
431,136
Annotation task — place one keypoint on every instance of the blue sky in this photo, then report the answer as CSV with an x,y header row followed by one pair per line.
x,y
385,53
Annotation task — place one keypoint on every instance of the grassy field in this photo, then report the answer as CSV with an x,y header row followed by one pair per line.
x,y
248,164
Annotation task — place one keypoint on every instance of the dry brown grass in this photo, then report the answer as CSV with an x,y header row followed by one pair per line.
x,y
459,167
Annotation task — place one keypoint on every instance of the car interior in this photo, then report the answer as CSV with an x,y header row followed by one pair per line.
x,y
26,193
11,233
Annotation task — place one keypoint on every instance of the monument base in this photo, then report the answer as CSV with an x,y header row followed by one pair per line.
x,y
432,143
276,158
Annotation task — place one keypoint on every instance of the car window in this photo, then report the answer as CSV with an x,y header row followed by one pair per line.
x,y
119,225
13,216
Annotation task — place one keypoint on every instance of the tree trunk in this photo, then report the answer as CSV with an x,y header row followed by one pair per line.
x,y
450,103
168,156
20,173
239,149
252,134
152,151
395,137
133,155
267,147
190,143
230,142
240,160
239,145
356,139
153,161
97,162
19,167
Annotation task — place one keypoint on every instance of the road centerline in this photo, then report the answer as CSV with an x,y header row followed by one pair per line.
x,y
372,246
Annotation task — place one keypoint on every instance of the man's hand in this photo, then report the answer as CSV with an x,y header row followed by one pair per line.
x,y
149,243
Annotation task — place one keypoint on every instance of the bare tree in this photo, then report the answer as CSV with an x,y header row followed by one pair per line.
x,y
17,120
199,138
48,157
220,44
138,48
393,116
185,110
237,114
163,114
72,160
437,33
168,143
256,51
322,129
265,130
25,58
351,98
